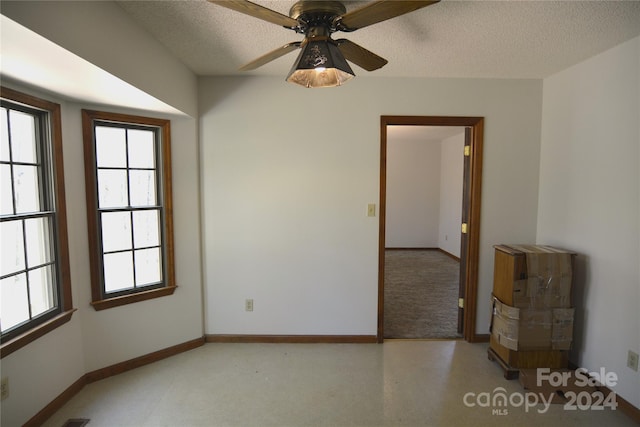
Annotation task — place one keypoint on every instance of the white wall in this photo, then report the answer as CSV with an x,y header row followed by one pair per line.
x,y
451,181
42,370
101,33
285,190
39,372
589,197
424,190
413,193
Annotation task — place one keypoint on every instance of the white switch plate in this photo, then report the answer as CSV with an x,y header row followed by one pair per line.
x,y
371,209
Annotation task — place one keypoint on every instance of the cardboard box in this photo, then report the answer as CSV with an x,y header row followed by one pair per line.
x,y
542,292
555,359
531,329
533,276
505,324
562,328
534,329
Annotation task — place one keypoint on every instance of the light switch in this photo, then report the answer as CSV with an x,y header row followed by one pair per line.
x,y
371,209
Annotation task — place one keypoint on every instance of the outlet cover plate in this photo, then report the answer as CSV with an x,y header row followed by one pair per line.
x,y
632,360
4,388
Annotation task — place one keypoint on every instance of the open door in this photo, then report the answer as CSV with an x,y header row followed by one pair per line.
x,y
464,243
469,252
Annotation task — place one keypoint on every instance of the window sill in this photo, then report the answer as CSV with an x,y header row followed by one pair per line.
x,y
132,298
33,334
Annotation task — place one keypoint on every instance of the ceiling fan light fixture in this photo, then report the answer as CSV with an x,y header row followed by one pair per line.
x,y
320,64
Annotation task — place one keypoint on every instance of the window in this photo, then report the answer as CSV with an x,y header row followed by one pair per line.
x,y
128,180
35,285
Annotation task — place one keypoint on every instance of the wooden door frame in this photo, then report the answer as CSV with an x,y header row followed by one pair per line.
x,y
473,212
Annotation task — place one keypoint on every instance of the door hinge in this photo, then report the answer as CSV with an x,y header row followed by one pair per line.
x,y
464,228
460,302
467,150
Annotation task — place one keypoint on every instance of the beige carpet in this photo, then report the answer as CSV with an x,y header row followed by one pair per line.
x,y
420,294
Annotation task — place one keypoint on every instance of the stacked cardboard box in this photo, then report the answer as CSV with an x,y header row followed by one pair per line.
x,y
532,329
532,317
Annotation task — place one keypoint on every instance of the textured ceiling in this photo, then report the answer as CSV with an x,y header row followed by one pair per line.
x,y
500,39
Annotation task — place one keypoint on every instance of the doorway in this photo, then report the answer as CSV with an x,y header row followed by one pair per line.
x,y
423,210
469,241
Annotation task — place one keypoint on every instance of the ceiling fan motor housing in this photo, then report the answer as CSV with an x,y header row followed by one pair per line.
x,y
315,13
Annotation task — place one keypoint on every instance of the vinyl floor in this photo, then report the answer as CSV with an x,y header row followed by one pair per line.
x,y
398,383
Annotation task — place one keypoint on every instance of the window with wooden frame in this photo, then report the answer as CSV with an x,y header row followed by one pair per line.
x,y
129,208
35,283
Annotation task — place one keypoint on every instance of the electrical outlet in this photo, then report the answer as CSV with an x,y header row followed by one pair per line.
x,y
4,388
632,360
248,305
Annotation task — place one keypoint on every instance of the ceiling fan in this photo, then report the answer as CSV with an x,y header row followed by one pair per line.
x,y
321,62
